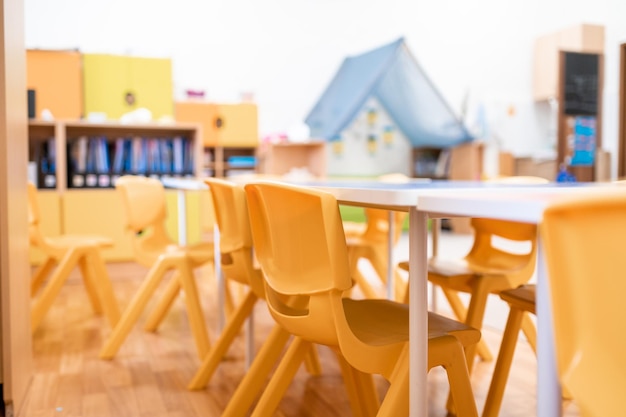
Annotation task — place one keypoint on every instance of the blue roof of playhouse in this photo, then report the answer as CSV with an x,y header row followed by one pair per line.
x,y
391,75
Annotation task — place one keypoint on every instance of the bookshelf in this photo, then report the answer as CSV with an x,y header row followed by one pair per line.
x,y
90,205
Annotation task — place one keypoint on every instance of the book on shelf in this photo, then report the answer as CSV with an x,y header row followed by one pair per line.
x,y
45,159
96,162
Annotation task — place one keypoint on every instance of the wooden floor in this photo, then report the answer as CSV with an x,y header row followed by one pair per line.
x,y
149,375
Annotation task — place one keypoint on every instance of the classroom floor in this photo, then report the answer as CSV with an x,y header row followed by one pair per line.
x,y
148,377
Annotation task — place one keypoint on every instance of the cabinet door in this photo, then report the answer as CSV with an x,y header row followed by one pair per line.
x,y
204,114
106,84
150,80
116,84
238,125
56,77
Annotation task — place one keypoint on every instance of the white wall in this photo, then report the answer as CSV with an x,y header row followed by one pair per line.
x,y
286,51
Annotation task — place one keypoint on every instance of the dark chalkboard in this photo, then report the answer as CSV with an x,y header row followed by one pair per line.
x,y
581,84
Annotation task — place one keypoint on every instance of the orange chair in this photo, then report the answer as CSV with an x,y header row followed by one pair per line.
x,y
66,252
301,246
487,269
520,300
583,241
145,205
372,244
231,215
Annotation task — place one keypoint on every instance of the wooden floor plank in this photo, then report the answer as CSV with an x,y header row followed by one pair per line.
x,y
148,377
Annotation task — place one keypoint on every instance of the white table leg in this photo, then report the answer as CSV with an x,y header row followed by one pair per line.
x,y
418,316
548,387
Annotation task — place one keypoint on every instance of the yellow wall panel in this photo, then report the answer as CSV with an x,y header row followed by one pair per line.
x,y
56,77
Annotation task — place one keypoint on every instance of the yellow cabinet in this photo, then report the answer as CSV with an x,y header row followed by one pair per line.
x,y
228,125
116,84
56,77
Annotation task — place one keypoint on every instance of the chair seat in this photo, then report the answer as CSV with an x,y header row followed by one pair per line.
x,y
383,322
522,297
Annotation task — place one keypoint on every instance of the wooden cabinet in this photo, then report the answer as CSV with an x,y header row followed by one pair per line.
x,y
57,80
94,207
117,84
462,162
579,38
229,135
281,158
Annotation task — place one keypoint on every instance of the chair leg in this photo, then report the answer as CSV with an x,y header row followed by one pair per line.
x,y
194,311
365,287
253,381
280,381
40,275
503,363
219,349
460,312
104,288
530,331
396,401
134,309
475,316
452,358
90,284
312,362
56,281
163,306
360,389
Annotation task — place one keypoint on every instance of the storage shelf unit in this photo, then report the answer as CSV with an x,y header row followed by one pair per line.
x,y
97,209
281,158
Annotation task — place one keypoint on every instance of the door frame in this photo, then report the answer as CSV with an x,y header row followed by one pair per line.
x,y
621,168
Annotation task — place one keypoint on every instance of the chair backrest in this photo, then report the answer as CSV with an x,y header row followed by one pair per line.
x,y
144,203
486,255
299,242
584,241
377,228
233,222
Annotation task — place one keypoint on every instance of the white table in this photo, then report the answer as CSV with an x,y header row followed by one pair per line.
x,y
520,204
523,203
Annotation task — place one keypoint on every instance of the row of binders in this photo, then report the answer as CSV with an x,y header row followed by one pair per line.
x,y
94,161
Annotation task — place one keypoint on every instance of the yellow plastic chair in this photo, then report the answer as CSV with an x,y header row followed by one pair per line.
x,y
583,240
145,206
66,252
301,246
231,215
370,241
520,300
373,244
487,269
